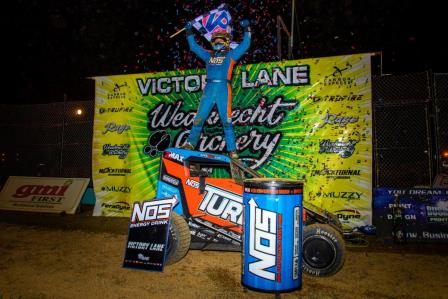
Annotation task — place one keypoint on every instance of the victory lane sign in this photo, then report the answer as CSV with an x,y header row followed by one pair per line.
x,y
148,234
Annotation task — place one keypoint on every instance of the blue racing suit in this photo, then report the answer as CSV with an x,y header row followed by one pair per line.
x,y
219,66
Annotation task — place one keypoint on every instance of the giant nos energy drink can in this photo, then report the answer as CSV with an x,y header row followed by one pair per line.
x,y
272,235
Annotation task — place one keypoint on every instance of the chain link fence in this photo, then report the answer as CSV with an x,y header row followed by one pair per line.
x,y
402,134
46,140
441,115
410,131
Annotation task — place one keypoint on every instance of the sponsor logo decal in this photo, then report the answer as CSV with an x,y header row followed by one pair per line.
x,y
102,110
348,214
216,60
344,148
118,206
339,120
169,179
140,255
336,98
122,189
43,193
337,78
349,195
336,173
114,171
262,241
113,127
174,156
157,142
223,204
152,210
192,183
120,150
118,91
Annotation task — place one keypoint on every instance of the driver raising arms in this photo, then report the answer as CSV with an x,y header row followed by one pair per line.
x,y
219,66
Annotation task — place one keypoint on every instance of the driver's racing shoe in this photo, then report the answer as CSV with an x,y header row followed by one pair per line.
x,y
188,146
234,155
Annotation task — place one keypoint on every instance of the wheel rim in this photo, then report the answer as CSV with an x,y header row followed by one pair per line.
x,y
319,252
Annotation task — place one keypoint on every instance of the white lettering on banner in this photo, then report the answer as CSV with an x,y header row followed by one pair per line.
x,y
406,216
292,75
266,113
166,85
263,143
435,236
400,205
152,210
419,191
224,204
262,241
437,211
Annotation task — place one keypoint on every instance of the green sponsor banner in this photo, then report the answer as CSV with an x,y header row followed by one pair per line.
x,y
307,119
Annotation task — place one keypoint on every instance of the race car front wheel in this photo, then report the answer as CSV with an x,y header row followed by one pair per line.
x,y
323,250
179,239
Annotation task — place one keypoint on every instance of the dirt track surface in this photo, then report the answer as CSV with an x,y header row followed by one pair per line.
x,y
72,261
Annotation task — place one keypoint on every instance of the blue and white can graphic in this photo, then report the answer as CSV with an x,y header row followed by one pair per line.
x,y
272,235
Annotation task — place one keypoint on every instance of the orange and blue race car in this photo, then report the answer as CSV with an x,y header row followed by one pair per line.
x,y
208,216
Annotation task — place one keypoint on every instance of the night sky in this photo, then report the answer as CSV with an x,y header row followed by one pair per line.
x,y
53,46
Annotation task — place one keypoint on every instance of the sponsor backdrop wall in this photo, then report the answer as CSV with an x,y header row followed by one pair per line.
x,y
303,119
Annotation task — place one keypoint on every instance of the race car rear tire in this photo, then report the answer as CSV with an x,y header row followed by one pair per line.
x,y
323,250
179,239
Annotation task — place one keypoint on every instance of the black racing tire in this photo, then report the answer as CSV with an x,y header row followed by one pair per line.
x,y
323,250
179,239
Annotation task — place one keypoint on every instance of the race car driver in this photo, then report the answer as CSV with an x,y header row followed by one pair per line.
x,y
219,67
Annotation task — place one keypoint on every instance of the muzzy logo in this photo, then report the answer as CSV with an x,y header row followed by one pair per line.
x,y
153,210
262,241
348,195
122,189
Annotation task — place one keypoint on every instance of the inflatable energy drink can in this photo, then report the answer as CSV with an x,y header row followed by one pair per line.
x,y
272,235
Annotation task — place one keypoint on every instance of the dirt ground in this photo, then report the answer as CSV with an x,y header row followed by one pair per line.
x,y
53,256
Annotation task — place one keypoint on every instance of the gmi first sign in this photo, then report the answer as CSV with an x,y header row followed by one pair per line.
x,y
43,194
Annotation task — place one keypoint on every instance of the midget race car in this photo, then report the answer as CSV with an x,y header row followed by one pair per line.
x,y
208,216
